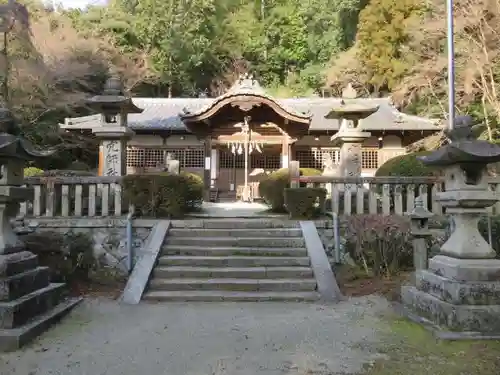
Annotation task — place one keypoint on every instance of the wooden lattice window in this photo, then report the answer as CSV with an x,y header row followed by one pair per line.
x,y
369,158
314,158
153,157
135,157
264,160
193,158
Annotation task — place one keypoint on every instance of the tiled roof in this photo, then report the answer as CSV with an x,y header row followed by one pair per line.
x,y
163,114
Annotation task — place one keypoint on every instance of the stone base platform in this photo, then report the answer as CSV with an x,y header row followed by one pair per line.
x,y
29,303
456,295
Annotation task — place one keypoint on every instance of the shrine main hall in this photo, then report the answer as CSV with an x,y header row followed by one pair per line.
x,y
207,135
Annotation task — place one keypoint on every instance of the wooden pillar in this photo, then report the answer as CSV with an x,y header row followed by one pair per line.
x,y
206,172
285,152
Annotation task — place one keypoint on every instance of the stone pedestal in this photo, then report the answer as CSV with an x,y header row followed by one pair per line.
x,y
29,303
459,293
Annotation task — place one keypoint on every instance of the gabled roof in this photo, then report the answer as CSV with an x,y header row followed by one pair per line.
x,y
164,114
245,93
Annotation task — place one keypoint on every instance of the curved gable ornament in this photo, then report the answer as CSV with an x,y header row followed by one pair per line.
x,y
245,94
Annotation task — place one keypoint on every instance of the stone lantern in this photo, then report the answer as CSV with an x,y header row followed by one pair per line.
x,y
419,225
114,132
28,301
350,137
460,290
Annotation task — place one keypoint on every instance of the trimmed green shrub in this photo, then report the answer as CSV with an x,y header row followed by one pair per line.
x,y
305,203
163,194
32,172
272,187
406,165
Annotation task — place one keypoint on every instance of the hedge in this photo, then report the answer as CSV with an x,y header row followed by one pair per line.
x,y
405,165
304,202
272,187
163,194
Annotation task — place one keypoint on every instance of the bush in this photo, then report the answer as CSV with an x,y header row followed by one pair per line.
x,y
67,173
306,203
381,245
405,165
79,166
163,194
272,187
495,232
70,256
32,172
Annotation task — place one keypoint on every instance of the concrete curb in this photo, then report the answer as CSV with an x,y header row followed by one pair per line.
x,y
139,278
327,285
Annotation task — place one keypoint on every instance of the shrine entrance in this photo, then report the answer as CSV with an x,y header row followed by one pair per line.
x,y
246,134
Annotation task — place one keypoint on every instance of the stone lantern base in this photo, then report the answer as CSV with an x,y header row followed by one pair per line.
x,y
460,298
29,303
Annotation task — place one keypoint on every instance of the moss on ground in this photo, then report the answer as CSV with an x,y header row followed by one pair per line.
x,y
412,350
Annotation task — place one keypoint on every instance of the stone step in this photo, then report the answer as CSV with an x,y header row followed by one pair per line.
x,y
263,232
233,261
13,339
12,264
235,223
236,241
239,285
23,283
233,272
226,296
19,311
227,251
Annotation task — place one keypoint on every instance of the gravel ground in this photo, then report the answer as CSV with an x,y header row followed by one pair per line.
x,y
103,337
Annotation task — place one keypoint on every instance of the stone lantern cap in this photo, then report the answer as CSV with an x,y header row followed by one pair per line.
x,y
12,144
349,108
464,149
419,212
113,99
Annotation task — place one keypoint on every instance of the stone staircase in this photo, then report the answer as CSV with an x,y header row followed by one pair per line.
x,y
233,260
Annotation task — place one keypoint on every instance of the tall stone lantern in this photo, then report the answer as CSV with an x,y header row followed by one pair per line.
x,y
28,301
350,137
460,290
114,132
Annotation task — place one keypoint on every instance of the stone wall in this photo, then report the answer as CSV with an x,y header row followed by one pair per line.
x,y
108,235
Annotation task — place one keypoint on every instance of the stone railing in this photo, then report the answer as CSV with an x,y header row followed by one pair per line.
x,y
383,195
75,197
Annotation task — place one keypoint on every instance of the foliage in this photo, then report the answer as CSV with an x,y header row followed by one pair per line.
x,y
163,194
66,173
304,203
405,165
272,186
380,244
382,35
79,166
495,232
69,256
32,172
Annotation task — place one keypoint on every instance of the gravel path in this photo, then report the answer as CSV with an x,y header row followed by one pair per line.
x,y
103,337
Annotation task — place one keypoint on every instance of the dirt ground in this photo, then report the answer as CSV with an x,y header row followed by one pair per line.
x,y
406,348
